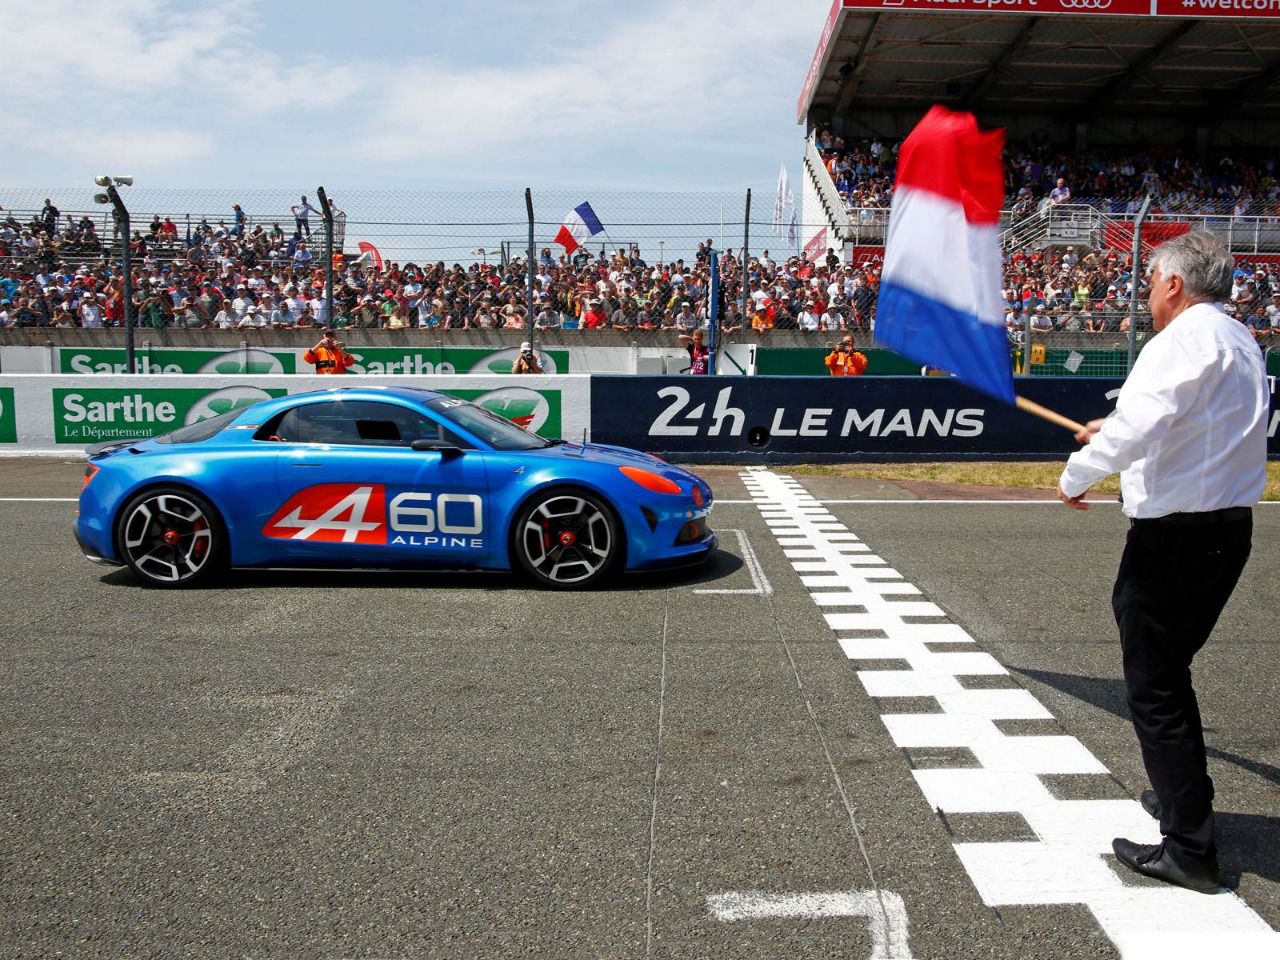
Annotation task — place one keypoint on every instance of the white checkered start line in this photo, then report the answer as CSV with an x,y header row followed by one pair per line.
x,y
867,605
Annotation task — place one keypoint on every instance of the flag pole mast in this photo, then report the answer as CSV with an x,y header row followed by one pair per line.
x,y
1044,413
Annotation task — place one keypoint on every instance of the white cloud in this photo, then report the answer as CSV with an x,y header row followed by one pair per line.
x,y
660,83
628,95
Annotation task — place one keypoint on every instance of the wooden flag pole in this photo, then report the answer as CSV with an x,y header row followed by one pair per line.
x,y
1044,413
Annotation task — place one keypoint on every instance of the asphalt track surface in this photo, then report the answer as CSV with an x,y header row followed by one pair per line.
x,y
456,765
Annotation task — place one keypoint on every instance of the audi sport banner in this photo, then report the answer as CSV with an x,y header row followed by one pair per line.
x,y
1124,8
846,418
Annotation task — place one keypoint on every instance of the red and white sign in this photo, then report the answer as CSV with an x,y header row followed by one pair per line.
x,y
817,247
1089,8
819,60
359,513
333,513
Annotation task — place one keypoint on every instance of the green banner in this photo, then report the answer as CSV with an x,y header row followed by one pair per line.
x,y
425,361
808,362
8,422
538,411
243,361
93,415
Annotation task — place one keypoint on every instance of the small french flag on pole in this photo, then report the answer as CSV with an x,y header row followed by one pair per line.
x,y
940,300
580,224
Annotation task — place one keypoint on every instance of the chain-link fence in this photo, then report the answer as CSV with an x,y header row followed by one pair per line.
x,y
442,264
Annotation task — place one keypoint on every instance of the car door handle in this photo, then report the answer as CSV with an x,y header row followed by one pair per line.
x,y
306,464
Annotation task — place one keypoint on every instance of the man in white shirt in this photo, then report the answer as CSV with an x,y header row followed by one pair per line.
x,y
1189,436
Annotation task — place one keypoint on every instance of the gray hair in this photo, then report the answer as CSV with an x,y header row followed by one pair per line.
x,y
1204,264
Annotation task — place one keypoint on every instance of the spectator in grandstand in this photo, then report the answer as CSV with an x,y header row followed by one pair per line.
x,y
1060,193
49,217
301,217
90,311
686,319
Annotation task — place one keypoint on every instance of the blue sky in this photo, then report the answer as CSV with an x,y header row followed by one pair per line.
x,y
566,95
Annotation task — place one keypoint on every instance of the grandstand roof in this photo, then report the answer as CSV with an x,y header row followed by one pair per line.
x,y
1160,71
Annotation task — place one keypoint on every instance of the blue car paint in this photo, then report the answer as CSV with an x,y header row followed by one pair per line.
x,y
249,480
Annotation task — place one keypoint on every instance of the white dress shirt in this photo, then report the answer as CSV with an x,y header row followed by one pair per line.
x,y
1189,432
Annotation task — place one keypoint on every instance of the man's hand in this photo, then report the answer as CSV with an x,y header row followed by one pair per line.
x,y
1075,503
1090,428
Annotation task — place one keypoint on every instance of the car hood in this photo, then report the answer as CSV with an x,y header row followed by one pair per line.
x,y
617,456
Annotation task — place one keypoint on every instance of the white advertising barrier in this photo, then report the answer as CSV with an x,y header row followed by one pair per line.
x,y
410,360
41,414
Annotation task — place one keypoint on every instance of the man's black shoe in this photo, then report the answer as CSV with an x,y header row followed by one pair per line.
x,y
1153,860
1150,803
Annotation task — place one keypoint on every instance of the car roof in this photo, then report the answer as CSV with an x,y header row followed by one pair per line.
x,y
266,409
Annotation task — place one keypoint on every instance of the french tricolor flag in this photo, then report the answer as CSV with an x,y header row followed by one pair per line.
x,y
940,298
580,224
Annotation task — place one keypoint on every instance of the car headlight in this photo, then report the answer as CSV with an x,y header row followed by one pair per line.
x,y
650,480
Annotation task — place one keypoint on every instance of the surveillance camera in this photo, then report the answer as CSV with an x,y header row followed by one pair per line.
x,y
101,198
102,181
126,181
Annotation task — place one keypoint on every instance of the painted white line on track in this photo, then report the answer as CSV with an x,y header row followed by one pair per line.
x,y
39,499
657,782
760,583
885,913
960,503
1066,864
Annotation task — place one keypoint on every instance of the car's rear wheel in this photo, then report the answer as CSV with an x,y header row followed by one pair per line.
x,y
172,537
567,539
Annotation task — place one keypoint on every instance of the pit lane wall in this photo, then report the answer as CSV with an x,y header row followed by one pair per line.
x,y
690,419
44,414
805,419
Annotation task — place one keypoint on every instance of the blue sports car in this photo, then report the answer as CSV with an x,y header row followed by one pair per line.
x,y
384,478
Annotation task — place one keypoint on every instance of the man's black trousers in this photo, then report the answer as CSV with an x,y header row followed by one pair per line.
x,y
1175,577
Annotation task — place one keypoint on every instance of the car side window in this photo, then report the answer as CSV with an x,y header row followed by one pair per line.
x,y
361,423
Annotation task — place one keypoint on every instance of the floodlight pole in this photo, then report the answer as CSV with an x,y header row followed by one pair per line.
x,y
121,213
528,295
326,211
713,313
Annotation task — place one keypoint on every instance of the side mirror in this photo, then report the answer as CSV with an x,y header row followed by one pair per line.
x,y
442,447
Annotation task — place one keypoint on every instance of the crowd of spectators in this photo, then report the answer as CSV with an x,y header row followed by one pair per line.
x,y
56,273
239,276
1114,182
1062,289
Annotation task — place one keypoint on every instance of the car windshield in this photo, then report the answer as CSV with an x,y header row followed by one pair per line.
x,y
201,429
492,429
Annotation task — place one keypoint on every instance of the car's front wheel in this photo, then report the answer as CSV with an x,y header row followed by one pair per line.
x,y
567,539
171,537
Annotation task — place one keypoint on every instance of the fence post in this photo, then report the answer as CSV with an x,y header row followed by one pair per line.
x,y
1135,280
121,213
528,294
327,212
713,312
746,246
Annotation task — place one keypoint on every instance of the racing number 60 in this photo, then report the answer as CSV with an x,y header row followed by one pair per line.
x,y
413,513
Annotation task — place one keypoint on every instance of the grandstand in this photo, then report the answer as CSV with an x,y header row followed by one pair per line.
x,y
1166,84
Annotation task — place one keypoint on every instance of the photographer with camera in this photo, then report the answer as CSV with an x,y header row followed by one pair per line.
x,y
844,361
527,361
329,355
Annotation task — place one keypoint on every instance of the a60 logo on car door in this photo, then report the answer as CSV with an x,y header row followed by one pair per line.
x,y
359,513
